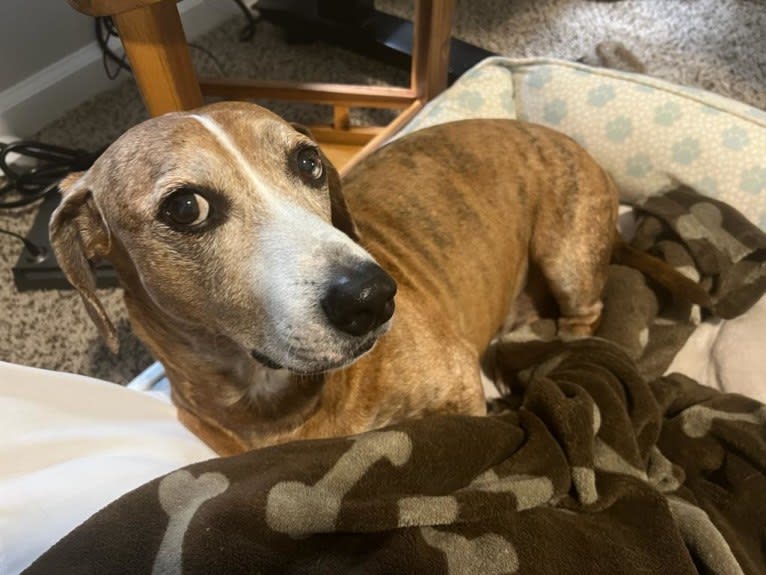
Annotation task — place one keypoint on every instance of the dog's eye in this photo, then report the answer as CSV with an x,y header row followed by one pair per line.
x,y
310,164
185,208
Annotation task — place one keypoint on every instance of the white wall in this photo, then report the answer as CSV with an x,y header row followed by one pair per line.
x,y
37,33
50,62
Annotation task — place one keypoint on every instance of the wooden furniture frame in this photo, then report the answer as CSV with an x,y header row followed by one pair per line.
x,y
154,41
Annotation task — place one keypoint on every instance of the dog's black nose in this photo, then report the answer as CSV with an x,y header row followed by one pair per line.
x,y
360,300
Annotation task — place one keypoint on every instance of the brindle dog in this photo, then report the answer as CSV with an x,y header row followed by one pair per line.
x,y
260,285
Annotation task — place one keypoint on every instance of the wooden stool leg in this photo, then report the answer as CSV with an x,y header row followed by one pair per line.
x,y
340,118
154,41
431,43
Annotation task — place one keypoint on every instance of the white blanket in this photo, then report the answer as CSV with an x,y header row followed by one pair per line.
x,y
71,444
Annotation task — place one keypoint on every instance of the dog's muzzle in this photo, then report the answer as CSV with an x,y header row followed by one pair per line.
x,y
360,300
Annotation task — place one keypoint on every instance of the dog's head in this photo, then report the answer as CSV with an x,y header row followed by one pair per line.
x,y
231,221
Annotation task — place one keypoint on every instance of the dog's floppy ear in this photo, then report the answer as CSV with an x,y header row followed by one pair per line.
x,y
303,130
341,217
78,234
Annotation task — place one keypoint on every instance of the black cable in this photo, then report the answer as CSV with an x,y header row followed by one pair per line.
x,y
115,63
38,253
32,184
247,33
210,55
105,30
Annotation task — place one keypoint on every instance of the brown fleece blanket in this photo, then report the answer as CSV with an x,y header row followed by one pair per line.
x,y
588,464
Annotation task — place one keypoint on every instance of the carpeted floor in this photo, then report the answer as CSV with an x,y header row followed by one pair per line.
x,y
718,45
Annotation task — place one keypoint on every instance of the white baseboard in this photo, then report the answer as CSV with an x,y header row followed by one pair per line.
x,y
31,104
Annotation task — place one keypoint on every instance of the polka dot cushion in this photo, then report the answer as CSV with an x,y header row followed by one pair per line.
x,y
649,134
484,91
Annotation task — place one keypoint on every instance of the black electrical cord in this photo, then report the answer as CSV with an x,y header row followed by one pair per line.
x,y
26,186
247,33
209,54
115,63
37,253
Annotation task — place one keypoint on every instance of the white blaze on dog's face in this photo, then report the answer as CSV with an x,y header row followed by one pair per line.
x,y
226,217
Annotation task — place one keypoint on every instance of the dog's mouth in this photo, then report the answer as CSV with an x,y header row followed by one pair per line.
x,y
265,360
318,365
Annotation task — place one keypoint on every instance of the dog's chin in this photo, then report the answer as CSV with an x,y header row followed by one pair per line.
x,y
353,356
320,364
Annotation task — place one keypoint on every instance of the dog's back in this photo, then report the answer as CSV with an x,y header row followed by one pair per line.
x,y
454,213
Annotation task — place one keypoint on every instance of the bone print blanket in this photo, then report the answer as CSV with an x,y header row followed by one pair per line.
x,y
587,464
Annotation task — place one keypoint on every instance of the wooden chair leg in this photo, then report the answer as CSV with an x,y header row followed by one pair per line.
x,y
340,118
155,43
431,43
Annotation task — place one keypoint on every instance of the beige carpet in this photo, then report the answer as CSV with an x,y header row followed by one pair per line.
x,y
718,45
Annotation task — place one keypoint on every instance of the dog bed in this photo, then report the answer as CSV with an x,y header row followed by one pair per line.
x,y
592,461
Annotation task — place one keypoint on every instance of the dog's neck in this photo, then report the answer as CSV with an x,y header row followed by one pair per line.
x,y
216,380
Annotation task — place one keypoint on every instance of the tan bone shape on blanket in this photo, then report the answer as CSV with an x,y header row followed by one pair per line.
x,y
298,509
181,495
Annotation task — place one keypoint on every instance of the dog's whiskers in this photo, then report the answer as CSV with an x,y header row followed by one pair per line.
x,y
289,343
